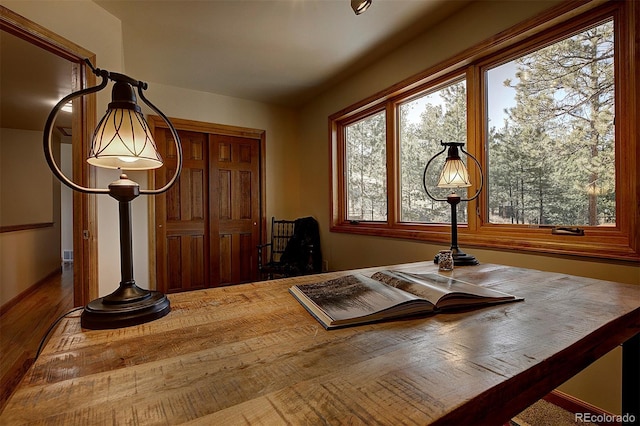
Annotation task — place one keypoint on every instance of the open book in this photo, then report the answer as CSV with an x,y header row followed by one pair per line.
x,y
357,299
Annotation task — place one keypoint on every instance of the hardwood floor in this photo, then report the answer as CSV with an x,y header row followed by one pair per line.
x,y
23,326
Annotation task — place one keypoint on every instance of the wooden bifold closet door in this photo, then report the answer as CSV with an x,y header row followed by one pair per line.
x,y
208,223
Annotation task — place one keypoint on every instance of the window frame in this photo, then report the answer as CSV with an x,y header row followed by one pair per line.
x,y
445,81
621,242
345,172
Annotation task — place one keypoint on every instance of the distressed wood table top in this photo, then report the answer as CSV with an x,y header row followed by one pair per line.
x,y
251,354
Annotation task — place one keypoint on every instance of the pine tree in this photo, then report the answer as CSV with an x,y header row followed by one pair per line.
x,y
443,119
366,169
559,138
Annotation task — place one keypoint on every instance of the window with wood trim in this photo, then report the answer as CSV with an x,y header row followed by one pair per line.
x,y
434,115
365,158
550,133
552,119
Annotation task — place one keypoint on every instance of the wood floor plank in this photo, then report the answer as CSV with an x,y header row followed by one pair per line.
x,y
23,325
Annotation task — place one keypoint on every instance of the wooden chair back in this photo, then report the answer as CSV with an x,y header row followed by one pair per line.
x,y
281,233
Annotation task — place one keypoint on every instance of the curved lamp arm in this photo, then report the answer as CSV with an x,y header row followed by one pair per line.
x,y
481,176
424,175
176,139
106,76
48,128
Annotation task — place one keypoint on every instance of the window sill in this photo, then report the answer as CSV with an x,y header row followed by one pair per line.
x,y
596,243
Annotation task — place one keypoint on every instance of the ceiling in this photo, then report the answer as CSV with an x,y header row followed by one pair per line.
x,y
275,51
281,52
32,81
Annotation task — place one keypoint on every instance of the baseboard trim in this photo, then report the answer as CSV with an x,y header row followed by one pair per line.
x,y
575,405
11,303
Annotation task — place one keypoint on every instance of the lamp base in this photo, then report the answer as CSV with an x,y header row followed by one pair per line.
x,y
460,259
463,259
108,313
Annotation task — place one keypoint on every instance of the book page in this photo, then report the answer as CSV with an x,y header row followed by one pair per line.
x,y
440,290
404,282
353,296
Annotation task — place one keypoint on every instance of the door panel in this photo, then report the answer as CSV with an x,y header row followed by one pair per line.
x,y
183,243
235,207
208,225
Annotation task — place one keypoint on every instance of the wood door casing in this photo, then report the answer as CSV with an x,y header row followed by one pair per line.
x,y
207,227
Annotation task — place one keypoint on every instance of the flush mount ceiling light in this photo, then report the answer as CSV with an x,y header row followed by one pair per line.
x,y
68,107
359,6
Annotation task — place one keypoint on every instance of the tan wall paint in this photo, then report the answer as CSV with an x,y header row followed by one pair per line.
x,y
25,198
282,167
297,147
88,25
353,251
475,23
27,256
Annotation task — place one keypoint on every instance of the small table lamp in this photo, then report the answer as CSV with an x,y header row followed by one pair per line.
x,y
454,175
122,140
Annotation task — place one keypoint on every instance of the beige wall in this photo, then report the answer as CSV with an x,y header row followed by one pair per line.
x,y
297,145
25,198
89,26
469,26
26,257
28,195
66,200
279,123
476,23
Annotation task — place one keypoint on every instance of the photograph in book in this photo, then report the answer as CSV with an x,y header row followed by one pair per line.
x,y
358,299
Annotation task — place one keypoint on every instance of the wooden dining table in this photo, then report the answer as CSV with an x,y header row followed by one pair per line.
x,y
251,354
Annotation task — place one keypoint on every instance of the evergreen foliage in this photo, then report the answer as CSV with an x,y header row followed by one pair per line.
x,y
550,162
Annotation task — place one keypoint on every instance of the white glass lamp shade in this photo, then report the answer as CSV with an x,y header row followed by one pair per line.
x,y
123,140
454,174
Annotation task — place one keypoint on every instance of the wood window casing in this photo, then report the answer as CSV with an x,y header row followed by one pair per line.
x,y
620,241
